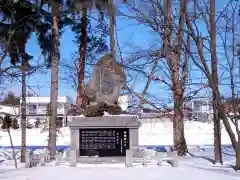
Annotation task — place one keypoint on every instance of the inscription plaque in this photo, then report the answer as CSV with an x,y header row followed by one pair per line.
x,y
104,142
107,82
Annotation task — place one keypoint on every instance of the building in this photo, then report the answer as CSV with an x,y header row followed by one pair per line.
x,y
36,109
199,109
11,110
123,101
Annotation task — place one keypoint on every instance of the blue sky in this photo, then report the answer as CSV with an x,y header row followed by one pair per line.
x,y
129,32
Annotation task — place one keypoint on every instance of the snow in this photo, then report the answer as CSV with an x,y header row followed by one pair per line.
x,y
197,165
153,133
63,172
196,133
87,174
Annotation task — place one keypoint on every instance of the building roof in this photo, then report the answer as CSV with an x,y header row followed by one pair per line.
x,y
9,105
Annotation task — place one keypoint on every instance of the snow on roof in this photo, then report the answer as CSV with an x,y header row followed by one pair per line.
x,y
46,99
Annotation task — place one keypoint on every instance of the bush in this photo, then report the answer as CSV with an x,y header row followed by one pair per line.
x,y
15,124
8,123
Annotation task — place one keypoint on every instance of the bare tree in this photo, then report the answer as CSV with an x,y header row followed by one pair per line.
x,y
160,19
202,62
8,124
216,119
228,36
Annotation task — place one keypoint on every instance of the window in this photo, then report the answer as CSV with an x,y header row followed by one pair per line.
x,y
42,109
196,105
60,105
32,109
60,109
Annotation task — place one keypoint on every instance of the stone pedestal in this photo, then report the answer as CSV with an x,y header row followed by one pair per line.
x,y
129,123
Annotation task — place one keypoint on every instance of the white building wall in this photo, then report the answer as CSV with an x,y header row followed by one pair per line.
x,y
9,109
42,102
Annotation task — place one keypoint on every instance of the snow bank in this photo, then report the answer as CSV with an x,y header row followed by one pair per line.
x,y
150,133
196,133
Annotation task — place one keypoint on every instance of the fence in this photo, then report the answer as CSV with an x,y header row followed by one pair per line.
x,y
33,160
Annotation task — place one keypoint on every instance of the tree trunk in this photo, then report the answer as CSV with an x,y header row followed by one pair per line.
x,y
81,98
180,143
234,109
225,120
167,39
111,28
13,150
238,157
234,102
149,79
234,106
23,111
216,120
178,84
217,136
54,80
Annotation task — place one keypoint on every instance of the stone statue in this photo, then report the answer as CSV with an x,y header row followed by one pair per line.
x,y
104,86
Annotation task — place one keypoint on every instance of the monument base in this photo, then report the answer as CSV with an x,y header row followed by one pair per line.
x,y
106,136
97,110
101,160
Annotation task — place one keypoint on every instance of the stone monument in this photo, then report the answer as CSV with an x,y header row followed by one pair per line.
x,y
106,136
95,134
104,86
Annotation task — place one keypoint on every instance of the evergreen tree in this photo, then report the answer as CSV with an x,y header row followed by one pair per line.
x,y
11,99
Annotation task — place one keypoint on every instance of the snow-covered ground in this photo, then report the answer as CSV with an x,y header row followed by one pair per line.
x,y
118,173
198,165
196,133
151,133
